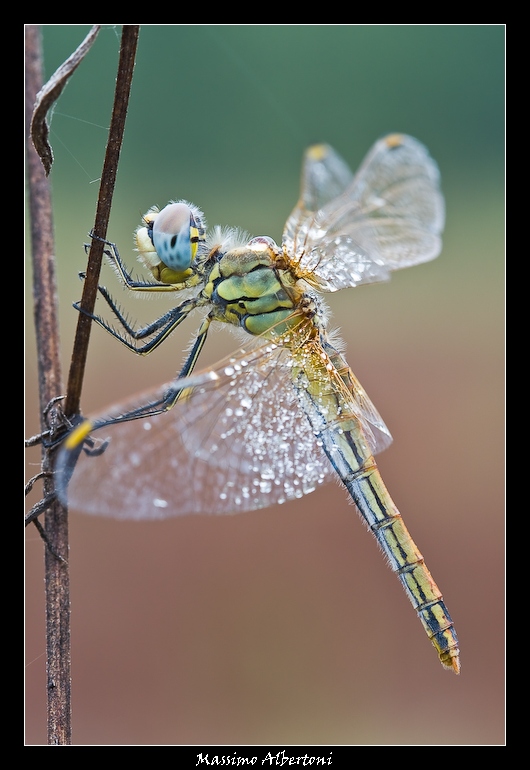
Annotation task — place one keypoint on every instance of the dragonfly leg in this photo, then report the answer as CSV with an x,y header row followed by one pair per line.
x,y
161,328
116,262
80,435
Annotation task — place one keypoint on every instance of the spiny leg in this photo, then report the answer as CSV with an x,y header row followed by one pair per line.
x,y
129,282
80,434
162,327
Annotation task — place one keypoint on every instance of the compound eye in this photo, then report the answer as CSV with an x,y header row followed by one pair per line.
x,y
176,234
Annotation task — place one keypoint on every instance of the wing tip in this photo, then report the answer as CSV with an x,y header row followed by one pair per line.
x,y
317,152
394,140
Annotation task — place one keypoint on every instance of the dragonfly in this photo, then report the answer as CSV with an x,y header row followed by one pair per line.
x,y
284,414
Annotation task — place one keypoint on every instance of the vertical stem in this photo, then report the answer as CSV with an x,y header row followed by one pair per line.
x,y
50,385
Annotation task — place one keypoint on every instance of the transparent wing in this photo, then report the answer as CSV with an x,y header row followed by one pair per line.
x,y
239,441
347,230
325,176
374,428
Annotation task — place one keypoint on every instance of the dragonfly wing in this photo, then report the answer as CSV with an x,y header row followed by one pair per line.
x,y
377,434
330,259
325,176
398,188
238,442
350,400
389,216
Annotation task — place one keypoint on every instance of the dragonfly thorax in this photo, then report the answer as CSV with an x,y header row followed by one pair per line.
x,y
246,288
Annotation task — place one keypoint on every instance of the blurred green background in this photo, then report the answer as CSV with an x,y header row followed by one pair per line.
x,y
285,626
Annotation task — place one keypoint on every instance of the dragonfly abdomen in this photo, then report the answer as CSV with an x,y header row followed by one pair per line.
x,y
377,508
343,441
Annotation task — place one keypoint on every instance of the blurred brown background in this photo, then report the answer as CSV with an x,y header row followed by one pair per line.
x,y
285,626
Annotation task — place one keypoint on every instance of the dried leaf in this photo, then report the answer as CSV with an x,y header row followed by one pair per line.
x,y
49,94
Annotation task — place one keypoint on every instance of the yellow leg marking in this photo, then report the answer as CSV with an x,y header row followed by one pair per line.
x,y
78,435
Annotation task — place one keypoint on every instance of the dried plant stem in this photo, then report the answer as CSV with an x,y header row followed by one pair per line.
x,y
129,42
50,382
50,385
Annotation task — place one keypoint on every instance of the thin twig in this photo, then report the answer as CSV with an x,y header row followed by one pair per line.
x,y
129,42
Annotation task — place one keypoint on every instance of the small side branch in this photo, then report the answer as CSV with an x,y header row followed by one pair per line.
x,y
49,94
